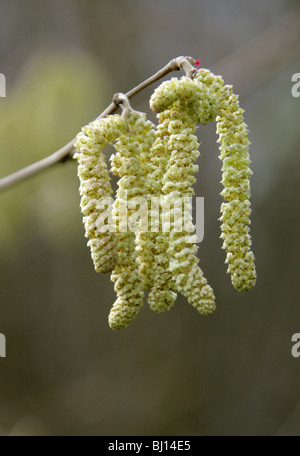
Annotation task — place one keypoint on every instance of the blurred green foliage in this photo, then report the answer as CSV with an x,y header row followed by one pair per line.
x,y
56,94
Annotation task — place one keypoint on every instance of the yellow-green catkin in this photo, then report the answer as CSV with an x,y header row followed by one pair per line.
x,y
161,297
192,95
95,187
177,264
214,85
177,183
234,145
126,275
145,135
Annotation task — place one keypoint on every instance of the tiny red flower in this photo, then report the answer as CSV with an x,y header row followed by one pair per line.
x,y
198,63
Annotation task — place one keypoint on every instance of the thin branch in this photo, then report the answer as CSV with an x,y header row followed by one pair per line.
x,y
67,151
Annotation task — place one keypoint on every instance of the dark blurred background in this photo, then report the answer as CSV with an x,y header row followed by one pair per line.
x,y
66,372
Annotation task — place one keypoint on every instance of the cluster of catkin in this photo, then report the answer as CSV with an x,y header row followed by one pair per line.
x,y
158,164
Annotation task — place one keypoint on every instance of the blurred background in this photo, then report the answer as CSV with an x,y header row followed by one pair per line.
x,y
66,372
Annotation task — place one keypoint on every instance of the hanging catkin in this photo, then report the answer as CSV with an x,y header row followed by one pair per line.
x,y
146,237
145,135
126,275
234,145
95,188
178,262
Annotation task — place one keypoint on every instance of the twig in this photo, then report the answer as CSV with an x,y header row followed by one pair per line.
x,y
67,151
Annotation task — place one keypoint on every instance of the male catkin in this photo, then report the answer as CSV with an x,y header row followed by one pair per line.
x,y
234,145
157,164
127,277
95,187
183,102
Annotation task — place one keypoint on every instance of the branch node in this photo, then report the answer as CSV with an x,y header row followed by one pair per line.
x,y
186,64
122,100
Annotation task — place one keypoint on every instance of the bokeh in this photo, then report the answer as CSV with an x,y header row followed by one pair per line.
x,y
178,373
